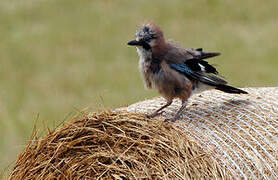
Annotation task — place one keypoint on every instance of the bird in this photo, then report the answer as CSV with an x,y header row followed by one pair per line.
x,y
175,71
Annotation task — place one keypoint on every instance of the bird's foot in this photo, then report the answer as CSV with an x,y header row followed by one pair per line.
x,y
170,119
154,114
173,119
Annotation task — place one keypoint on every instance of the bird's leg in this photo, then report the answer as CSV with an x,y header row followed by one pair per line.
x,y
157,112
177,115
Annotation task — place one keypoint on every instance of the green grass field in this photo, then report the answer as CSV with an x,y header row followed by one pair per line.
x,y
60,56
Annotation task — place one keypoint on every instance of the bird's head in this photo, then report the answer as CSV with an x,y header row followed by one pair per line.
x,y
149,37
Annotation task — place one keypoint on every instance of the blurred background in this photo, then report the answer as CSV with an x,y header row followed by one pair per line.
x,y
60,56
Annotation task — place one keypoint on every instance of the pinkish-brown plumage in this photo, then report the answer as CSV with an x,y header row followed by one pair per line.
x,y
159,46
176,72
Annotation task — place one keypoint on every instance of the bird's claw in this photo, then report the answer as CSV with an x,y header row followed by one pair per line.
x,y
148,116
173,119
153,114
170,119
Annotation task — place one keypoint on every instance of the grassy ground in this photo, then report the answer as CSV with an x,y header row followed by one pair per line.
x,y
59,56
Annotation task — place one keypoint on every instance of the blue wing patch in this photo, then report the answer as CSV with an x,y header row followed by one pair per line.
x,y
181,68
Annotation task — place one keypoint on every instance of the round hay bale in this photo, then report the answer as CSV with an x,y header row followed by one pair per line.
x,y
219,136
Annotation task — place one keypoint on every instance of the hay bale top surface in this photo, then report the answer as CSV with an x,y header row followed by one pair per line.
x,y
219,136
241,130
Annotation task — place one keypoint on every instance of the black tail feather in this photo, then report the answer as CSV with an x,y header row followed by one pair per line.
x,y
230,89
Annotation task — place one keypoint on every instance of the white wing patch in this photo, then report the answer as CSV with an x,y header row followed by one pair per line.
x,y
202,67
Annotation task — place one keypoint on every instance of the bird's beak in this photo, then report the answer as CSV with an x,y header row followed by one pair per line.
x,y
134,43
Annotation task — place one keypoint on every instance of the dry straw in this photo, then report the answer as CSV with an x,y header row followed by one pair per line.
x,y
220,136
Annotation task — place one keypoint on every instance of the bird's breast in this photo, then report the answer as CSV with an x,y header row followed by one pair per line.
x,y
145,67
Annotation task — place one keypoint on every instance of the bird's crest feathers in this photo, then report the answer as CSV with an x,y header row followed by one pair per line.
x,y
149,30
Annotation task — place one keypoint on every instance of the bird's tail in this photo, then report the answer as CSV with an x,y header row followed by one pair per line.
x,y
230,89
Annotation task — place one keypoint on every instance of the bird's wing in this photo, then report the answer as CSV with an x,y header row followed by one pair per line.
x,y
200,54
200,66
197,75
192,58
177,53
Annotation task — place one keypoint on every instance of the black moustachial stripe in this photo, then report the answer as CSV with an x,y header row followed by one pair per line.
x,y
146,46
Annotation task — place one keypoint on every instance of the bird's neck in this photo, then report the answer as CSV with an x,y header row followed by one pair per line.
x,y
144,54
160,49
155,64
148,61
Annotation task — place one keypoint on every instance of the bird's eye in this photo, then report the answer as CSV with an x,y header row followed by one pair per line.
x,y
149,38
146,29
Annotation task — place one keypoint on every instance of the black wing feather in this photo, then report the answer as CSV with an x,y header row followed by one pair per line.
x,y
194,64
212,80
195,75
205,55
